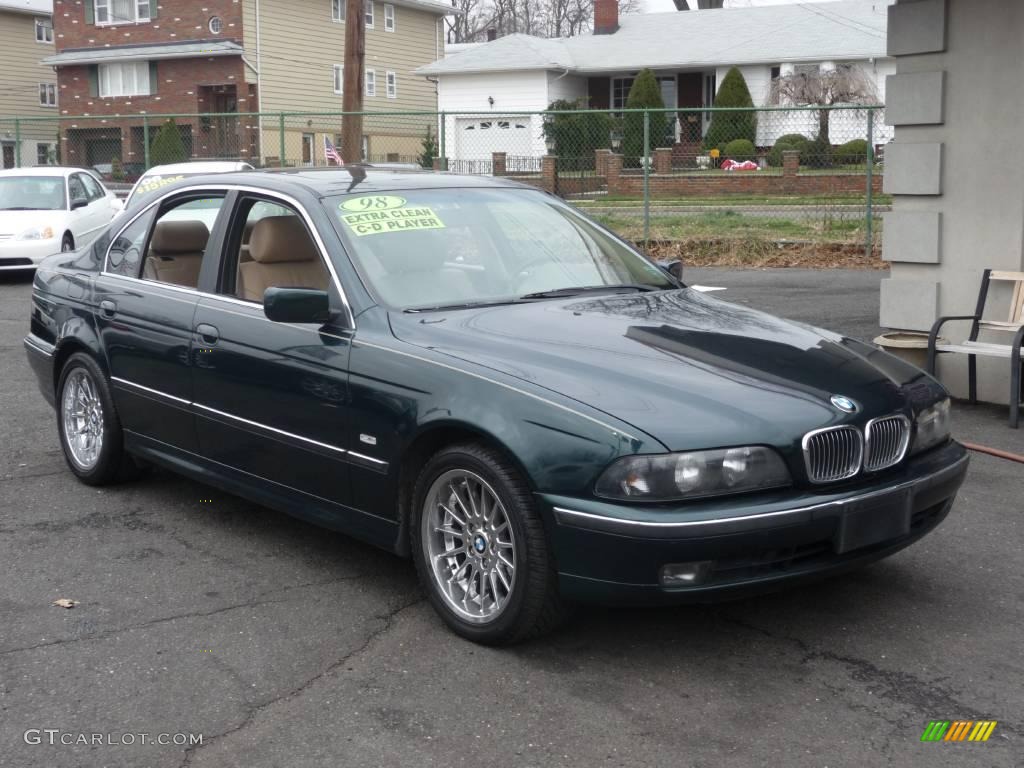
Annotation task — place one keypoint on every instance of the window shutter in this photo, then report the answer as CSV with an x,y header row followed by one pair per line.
x,y
94,80
153,80
90,11
154,8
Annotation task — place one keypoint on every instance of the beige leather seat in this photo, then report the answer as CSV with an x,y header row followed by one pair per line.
x,y
243,253
283,256
176,252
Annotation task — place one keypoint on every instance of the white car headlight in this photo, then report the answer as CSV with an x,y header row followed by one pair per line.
x,y
37,233
694,474
933,426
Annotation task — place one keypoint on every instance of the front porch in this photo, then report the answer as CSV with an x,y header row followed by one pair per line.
x,y
688,93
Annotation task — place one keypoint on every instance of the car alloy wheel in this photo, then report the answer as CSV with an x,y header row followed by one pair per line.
x,y
90,431
84,426
470,545
480,547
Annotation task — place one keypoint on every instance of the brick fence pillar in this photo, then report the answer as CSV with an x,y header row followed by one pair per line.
x,y
549,173
614,169
663,160
498,163
790,168
601,161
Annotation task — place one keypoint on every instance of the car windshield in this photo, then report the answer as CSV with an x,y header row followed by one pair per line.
x,y
438,248
149,185
32,193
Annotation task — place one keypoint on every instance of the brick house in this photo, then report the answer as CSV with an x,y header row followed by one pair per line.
x,y
138,57
116,58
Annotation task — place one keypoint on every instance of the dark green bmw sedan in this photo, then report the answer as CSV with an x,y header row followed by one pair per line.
x,y
469,372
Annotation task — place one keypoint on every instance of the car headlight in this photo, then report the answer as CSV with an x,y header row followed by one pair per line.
x,y
694,474
932,426
37,233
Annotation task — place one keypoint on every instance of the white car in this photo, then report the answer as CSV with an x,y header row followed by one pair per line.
x,y
158,177
46,210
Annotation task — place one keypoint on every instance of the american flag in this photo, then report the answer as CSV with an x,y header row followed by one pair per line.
x,y
331,153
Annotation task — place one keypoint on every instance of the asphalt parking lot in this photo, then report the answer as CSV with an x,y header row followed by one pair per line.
x,y
286,645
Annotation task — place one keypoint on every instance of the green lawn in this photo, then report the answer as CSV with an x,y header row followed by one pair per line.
x,y
607,201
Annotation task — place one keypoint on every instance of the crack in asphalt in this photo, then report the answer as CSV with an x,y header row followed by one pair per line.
x,y
387,622
257,601
901,687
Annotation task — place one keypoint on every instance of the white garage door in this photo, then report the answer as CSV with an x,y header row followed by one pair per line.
x,y
478,138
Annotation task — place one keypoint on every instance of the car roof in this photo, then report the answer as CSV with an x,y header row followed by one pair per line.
x,y
325,182
43,170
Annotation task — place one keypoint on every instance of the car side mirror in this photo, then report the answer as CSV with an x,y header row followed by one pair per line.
x,y
674,268
78,202
296,305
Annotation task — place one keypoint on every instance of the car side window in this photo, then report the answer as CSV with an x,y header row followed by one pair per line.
x,y
177,243
93,191
270,246
76,188
124,257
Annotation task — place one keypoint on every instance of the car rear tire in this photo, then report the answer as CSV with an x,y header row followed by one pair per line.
x,y
90,431
480,549
67,244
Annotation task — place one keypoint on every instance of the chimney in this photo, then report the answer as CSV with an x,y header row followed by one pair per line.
x,y
606,17
492,34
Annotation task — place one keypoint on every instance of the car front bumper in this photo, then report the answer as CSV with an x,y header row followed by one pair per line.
x,y
615,553
25,254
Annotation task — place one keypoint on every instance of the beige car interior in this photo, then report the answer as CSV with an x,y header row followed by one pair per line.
x,y
283,255
176,252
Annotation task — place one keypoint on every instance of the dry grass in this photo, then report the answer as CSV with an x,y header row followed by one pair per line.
x,y
759,252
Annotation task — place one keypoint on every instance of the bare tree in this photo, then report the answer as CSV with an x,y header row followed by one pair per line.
x,y
542,18
468,25
845,84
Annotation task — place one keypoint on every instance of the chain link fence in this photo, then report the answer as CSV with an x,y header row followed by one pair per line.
x,y
776,175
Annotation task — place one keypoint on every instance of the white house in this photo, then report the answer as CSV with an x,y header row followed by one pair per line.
x,y
689,51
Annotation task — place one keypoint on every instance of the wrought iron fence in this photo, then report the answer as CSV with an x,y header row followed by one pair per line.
x,y
788,172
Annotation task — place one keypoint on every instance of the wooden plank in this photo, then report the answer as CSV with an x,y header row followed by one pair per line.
x,y
999,325
1017,305
1003,275
994,350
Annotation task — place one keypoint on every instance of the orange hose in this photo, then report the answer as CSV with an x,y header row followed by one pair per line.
x,y
994,452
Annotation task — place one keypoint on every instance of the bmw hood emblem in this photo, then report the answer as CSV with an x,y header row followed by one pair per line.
x,y
844,404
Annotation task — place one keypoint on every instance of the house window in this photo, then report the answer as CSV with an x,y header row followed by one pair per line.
x,y
216,25
371,83
339,79
776,72
44,31
43,154
389,17
128,79
121,11
47,95
369,14
392,85
337,10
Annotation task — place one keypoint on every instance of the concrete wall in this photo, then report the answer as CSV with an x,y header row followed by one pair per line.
x,y
958,202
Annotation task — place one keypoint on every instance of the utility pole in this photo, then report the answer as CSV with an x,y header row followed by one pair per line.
x,y
352,89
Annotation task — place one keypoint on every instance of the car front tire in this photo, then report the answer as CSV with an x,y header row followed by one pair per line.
x,y
90,431
480,549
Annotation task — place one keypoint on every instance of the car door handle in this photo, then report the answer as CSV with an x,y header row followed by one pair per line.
x,y
208,333
108,308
